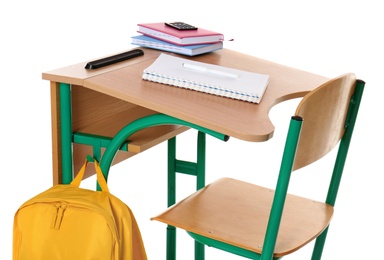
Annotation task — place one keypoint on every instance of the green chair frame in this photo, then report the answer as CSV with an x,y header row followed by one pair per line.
x,y
287,165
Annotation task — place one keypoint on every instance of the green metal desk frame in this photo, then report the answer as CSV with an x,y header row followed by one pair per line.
x,y
119,142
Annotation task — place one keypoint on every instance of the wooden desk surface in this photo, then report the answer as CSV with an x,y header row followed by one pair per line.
x,y
239,119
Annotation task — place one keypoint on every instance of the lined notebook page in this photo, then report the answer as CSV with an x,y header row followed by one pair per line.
x,y
207,78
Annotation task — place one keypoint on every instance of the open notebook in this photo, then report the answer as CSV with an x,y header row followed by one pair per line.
x,y
208,78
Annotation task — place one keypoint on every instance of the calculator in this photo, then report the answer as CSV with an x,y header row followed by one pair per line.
x,y
181,26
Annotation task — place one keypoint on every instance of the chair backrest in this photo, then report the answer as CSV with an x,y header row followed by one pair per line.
x,y
324,112
324,118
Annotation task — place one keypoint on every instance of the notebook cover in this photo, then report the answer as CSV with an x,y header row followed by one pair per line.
x,y
161,27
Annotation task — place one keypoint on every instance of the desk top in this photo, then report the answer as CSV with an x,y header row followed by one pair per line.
x,y
239,119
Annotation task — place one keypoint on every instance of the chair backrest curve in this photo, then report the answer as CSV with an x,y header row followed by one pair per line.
x,y
324,112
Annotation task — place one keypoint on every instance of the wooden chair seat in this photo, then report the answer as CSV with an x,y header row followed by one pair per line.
x,y
237,212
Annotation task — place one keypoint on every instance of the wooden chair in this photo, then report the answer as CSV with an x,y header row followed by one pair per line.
x,y
260,223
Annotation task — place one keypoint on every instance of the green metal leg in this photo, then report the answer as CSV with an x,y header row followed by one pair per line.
x,y
281,188
66,132
171,231
200,183
200,173
197,169
319,245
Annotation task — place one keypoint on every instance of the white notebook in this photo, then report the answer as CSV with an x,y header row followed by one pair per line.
x,y
207,78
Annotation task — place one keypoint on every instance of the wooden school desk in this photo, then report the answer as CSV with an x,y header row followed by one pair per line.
x,y
102,101
93,110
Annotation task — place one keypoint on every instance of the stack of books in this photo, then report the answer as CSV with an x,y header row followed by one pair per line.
x,y
187,42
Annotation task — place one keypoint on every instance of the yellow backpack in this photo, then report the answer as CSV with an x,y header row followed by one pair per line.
x,y
66,222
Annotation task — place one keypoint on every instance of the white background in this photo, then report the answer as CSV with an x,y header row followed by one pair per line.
x,y
324,37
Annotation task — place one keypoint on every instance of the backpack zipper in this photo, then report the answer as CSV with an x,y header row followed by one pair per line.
x,y
60,209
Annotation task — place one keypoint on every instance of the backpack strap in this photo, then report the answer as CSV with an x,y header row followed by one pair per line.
x,y
100,177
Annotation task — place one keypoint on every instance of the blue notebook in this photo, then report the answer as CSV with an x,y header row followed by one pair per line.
x,y
189,50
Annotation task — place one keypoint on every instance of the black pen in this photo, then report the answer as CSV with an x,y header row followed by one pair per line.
x,y
114,59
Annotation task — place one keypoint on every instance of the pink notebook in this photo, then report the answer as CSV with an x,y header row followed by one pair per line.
x,y
180,37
